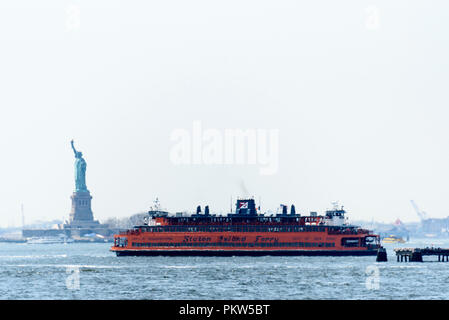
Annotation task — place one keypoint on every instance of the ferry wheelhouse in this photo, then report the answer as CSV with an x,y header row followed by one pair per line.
x,y
246,232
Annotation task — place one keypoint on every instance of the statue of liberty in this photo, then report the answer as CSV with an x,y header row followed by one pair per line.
x,y
80,170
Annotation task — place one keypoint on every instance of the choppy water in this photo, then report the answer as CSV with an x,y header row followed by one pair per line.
x,y
90,271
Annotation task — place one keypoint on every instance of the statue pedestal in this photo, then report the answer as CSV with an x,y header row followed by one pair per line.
x,y
81,215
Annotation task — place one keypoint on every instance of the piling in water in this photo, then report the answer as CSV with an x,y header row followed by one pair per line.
x,y
416,256
381,255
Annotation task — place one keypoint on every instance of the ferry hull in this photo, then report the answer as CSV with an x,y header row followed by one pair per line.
x,y
253,253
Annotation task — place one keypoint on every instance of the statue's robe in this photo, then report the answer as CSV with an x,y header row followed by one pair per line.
x,y
80,174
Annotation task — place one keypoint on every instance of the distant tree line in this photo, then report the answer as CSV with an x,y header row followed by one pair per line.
x,y
128,222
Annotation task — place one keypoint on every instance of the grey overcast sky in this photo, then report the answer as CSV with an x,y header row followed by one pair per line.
x,y
357,89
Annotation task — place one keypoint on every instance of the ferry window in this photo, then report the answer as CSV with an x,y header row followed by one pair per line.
x,y
350,242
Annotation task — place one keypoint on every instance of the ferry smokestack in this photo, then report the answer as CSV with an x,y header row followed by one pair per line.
x,y
198,210
292,209
284,209
206,210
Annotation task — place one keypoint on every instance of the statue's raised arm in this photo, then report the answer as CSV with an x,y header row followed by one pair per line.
x,y
73,147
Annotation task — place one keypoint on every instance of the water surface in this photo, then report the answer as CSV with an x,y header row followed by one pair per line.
x,y
90,271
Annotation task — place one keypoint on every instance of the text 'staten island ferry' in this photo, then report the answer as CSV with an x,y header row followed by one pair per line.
x,y
246,232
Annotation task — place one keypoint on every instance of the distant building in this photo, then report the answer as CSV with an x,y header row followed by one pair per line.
x,y
435,226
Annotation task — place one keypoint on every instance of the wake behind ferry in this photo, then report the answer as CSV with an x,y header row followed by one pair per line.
x,y
246,232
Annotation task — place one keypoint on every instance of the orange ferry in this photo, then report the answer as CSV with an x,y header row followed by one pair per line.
x,y
246,232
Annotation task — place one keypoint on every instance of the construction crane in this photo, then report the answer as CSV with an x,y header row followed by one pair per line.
x,y
422,215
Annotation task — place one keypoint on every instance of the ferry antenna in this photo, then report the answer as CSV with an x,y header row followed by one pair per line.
x,y
231,204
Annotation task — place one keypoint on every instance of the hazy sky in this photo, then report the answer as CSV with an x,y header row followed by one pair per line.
x,y
357,89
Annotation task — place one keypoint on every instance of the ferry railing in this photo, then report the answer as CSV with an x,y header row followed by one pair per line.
x,y
228,228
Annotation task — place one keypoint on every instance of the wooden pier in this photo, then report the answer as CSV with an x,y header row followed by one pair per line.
x,y
416,254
